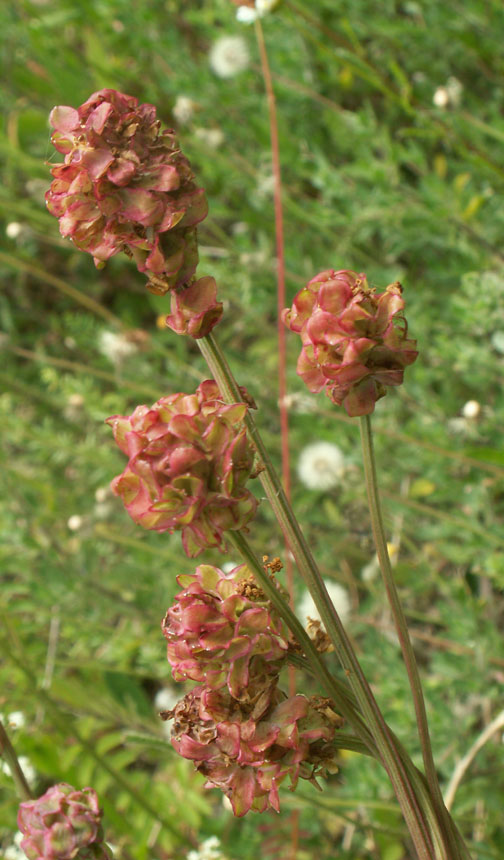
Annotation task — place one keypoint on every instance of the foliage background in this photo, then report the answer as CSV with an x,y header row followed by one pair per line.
x,y
376,178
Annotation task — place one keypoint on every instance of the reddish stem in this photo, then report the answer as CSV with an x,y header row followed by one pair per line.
x,y
280,254
282,360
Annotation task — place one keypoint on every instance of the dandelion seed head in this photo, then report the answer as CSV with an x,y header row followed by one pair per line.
x,y
339,597
229,56
13,230
74,523
211,137
321,466
183,109
471,409
115,346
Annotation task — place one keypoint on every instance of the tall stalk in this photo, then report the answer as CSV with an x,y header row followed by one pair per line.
x,y
451,842
412,809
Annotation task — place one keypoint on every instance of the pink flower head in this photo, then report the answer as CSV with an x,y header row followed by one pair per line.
x,y
188,462
125,185
222,630
248,753
195,309
354,340
63,824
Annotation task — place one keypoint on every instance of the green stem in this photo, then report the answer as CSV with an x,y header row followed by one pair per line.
x,y
412,810
450,840
340,694
8,753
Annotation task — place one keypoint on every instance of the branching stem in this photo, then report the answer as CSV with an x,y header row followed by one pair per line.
x,y
401,777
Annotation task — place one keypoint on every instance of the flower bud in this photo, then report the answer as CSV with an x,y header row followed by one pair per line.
x,y
63,824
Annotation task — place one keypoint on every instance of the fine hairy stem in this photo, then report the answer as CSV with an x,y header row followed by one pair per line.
x,y
401,626
402,783
8,753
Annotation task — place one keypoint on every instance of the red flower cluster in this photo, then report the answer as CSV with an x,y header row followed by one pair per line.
x,y
188,462
126,186
243,733
355,341
63,824
249,752
221,630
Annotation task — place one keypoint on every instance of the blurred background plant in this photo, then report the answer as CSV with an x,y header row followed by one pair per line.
x,y
391,131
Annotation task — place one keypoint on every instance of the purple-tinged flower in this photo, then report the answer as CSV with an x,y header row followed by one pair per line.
x,y
355,341
63,824
188,462
223,631
125,185
248,752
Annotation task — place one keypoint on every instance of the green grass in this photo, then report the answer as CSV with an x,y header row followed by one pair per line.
x,y
377,179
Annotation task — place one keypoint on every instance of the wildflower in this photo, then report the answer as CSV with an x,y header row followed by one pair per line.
x,y
321,466
14,230
211,137
354,339
195,310
116,347
246,15
63,824
248,752
455,89
208,850
223,631
249,12
497,341
102,494
229,56
441,98
125,185
337,594
16,720
74,523
459,424
471,409
183,109
189,460
449,95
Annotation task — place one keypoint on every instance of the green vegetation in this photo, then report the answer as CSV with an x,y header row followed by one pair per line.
x,y
379,176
